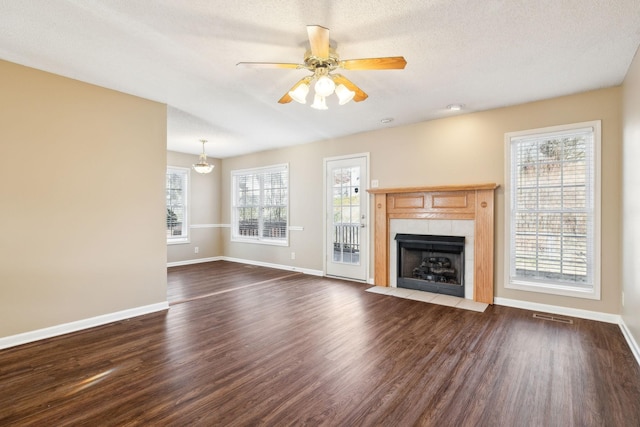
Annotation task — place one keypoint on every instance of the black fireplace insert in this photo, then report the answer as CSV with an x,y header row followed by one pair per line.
x,y
431,263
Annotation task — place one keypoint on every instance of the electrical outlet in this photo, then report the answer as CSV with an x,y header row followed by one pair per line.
x,y
293,255
196,249
374,183
623,299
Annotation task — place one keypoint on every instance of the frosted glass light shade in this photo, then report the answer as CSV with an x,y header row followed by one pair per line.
x,y
344,95
324,86
299,94
203,167
319,103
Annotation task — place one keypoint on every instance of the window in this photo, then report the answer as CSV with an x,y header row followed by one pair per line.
x,y
177,215
260,208
553,210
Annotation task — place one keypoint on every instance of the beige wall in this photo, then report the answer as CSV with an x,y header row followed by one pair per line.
x,y
631,191
204,210
82,171
81,231
465,149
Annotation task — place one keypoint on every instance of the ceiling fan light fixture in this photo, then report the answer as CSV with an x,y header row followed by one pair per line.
x,y
321,60
324,86
319,102
344,95
202,166
299,94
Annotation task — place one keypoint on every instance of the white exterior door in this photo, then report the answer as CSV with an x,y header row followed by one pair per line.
x,y
346,220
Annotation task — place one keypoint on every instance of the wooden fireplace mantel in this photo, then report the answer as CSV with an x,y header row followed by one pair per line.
x,y
466,202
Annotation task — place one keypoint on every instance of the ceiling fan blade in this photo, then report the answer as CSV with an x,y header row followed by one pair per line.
x,y
387,63
286,98
340,79
268,65
319,41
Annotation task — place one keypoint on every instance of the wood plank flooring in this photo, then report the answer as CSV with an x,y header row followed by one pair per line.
x,y
247,346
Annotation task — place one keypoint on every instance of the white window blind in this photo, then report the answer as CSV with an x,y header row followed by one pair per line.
x,y
261,205
553,210
177,180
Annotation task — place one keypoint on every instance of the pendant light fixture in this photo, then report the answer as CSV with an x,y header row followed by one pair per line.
x,y
202,166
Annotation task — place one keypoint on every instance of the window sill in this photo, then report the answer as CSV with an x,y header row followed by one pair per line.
x,y
179,241
546,288
261,242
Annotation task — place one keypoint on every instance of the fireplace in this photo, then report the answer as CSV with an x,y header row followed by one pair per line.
x,y
431,263
444,202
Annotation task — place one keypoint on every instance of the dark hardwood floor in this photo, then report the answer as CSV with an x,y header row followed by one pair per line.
x,y
245,346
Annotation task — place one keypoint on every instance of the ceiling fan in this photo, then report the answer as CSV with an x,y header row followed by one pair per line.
x,y
322,60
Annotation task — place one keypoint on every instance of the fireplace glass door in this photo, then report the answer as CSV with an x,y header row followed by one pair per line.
x,y
431,263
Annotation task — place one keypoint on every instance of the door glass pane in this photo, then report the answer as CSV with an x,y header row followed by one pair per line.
x,y
346,215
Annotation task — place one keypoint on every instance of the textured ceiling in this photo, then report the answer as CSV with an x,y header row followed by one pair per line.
x,y
481,53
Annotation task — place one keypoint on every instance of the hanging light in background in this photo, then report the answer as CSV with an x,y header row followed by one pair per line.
x,y
202,166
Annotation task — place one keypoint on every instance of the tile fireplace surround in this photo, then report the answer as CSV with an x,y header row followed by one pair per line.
x,y
453,202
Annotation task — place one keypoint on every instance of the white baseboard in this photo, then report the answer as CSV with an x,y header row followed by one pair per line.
x,y
278,266
633,345
65,328
193,261
554,309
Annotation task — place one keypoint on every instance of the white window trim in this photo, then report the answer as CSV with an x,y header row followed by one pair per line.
x,y
549,288
181,240
258,239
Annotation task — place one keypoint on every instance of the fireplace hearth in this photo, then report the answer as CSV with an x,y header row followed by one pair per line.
x,y
431,263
